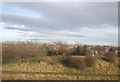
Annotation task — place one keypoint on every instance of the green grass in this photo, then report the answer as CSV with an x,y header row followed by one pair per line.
x,y
61,73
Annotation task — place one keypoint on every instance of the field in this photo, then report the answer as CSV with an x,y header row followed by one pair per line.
x,y
21,63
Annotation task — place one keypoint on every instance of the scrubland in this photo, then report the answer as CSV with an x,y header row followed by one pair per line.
x,y
58,61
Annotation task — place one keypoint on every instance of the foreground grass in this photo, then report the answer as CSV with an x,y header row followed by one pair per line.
x,y
54,70
61,73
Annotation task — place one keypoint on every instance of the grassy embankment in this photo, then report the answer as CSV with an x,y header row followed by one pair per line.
x,y
48,68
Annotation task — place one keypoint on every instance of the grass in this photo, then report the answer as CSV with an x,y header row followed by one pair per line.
x,y
54,77
101,70
61,73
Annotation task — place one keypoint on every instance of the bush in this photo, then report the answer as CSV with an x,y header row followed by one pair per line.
x,y
62,50
90,61
110,57
74,62
15,52
80,50
8,54
118,65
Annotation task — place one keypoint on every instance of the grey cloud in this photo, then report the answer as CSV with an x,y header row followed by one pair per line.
x,y
70,15
30,22
75,35
65,17
13,28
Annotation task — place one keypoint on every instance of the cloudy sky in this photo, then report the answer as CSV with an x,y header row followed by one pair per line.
x,y
83,22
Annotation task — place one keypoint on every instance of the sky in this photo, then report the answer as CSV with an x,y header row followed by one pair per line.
x,y
72,22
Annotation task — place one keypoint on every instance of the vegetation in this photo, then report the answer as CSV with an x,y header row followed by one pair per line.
x,y
69,61
79,62
110,57
47,71
90,61
75,62
17,52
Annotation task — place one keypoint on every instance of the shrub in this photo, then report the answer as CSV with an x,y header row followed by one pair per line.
x,y
15,52
80,50
119,53
79,62
90,61
119,65
110,57
62,50
8,54
51,52
74,62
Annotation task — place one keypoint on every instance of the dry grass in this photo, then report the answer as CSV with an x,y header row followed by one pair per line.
x,y
53,77
47,67
101,67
